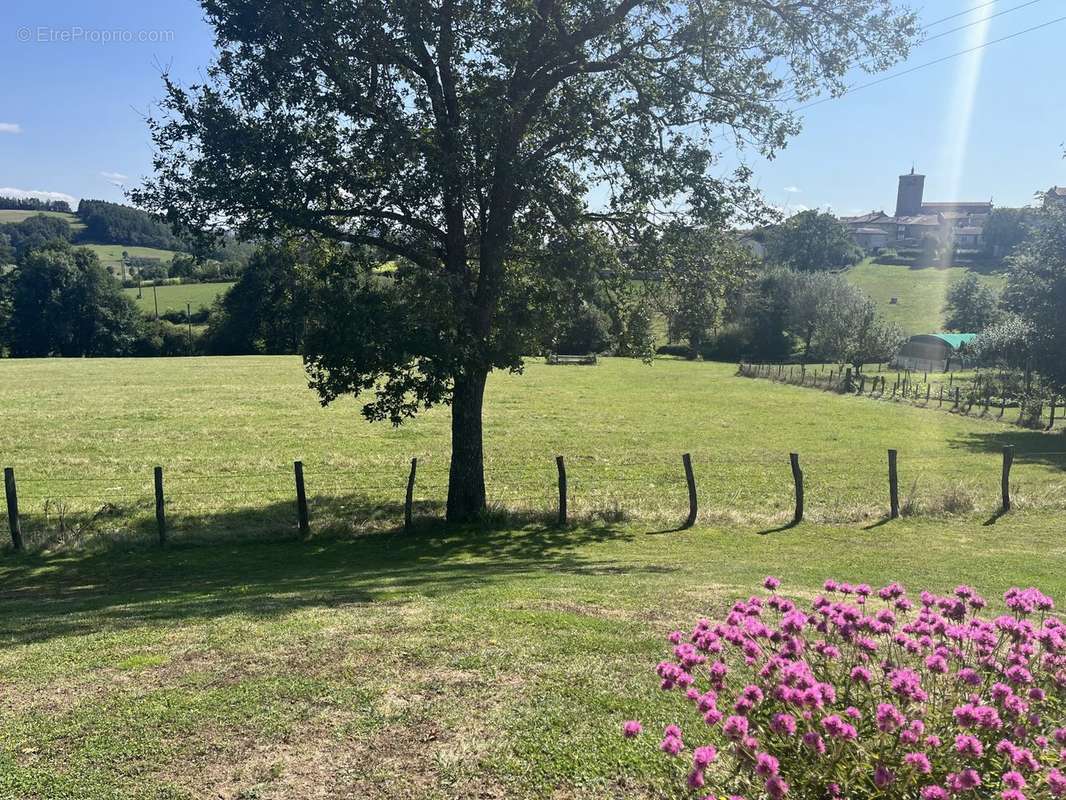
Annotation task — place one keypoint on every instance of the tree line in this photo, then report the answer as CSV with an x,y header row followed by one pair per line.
x,y
33,204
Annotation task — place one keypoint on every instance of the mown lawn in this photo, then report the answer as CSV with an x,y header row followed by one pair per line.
x,y
920,293
173,297
84,435
463,664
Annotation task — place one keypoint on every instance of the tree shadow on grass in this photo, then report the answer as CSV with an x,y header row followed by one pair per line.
x,y
1030,447
264,570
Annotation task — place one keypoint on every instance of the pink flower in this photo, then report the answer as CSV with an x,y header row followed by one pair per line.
x,y
883,776
1056,781
934,793
631,728
783,724
776,787
771,583
889,719
968,745
919,762
735,728
1013,780
702,756
766,765
672,745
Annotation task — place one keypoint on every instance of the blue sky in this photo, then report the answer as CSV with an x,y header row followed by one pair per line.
x,y
990,124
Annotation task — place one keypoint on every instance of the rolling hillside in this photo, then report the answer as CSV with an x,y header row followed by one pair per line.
x,y
8,215
919,293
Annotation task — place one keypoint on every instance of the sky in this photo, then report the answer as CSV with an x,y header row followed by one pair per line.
x,y
80,76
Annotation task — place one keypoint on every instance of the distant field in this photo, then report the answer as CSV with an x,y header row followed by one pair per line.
x,y
920,292
173,297
14,215
112,253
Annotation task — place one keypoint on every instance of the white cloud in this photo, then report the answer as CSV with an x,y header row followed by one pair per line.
x,y
39,194
792,189
115,178
10,127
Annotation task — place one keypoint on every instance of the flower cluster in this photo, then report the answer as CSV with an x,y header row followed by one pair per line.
x,y
869,693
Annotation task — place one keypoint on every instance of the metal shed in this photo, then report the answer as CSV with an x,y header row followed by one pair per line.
x,y
934,352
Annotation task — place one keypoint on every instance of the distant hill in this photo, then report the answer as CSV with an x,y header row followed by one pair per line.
x,y
114,223
109,229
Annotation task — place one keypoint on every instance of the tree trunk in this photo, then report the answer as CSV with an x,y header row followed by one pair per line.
x,y
466,477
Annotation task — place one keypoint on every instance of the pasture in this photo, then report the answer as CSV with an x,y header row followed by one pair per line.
x,y
174,296
920,293
492,661
11,215
111,254
84,436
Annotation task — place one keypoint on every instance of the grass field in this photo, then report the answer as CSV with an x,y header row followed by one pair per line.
x,y
489,662
920,292
111,254
173,297
8,215
84,435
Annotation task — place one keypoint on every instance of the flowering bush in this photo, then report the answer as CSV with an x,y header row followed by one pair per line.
x,y
868,694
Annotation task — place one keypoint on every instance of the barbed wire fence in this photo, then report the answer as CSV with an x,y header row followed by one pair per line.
x,y
764,488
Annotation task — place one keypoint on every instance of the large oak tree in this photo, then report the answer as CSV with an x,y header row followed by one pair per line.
x,y
458,137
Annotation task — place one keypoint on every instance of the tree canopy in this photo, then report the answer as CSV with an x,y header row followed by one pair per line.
x,y
971,305
461,137
813,240
122,224
1036,293
64,303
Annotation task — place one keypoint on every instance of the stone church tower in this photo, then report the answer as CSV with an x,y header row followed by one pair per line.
x,y
909,195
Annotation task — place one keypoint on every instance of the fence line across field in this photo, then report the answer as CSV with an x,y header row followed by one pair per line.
x,y
298,489
982,392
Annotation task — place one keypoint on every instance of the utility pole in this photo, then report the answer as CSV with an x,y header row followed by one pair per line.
x,y
155,296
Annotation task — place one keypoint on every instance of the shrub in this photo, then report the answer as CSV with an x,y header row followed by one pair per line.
x,y
867,694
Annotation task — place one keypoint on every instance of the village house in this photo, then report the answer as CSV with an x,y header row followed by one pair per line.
x,y
955,224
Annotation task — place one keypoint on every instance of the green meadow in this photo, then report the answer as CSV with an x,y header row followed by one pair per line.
x,y
495,660
920,292
111,254
84,436
174,296
11,215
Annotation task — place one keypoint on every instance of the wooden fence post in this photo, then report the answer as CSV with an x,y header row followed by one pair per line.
x,y
301,499
13,509
956,397
690,479
862,383
928,389
893,485
160,512
560,465
1008,460
1051,421
409,499
797,478
940,400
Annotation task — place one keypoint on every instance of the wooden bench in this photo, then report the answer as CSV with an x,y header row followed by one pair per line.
x,y
559,358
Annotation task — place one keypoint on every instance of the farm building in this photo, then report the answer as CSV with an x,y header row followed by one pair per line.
x,y
933,352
